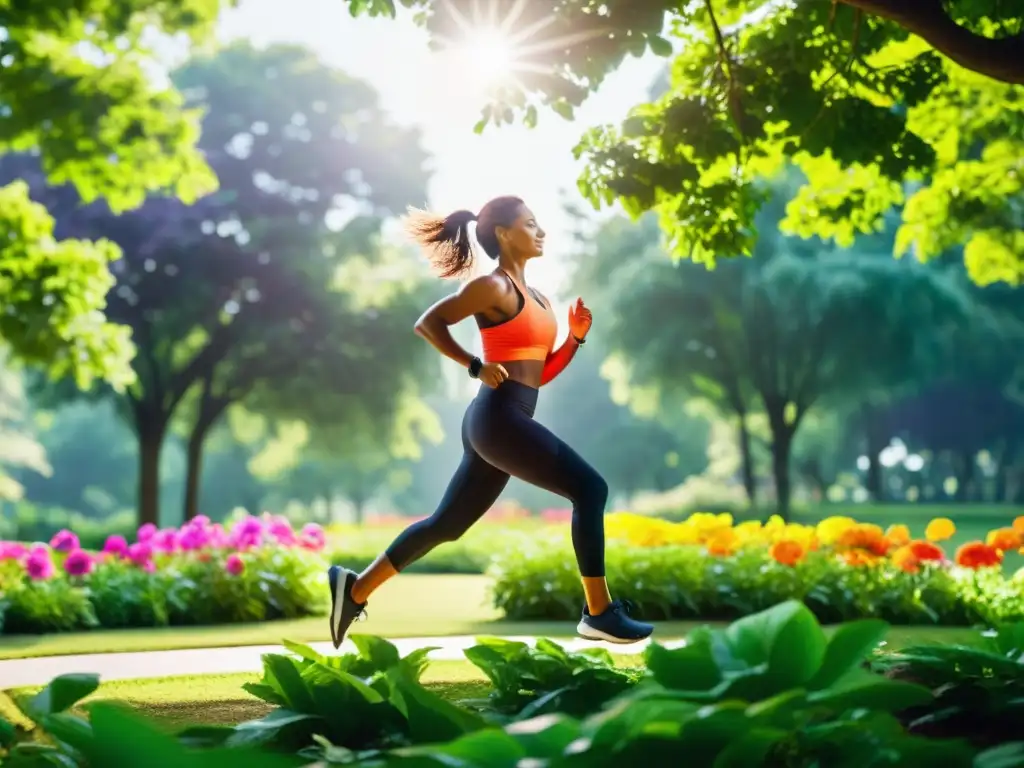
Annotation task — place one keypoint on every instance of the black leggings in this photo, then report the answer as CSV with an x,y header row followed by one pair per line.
x,y
499,439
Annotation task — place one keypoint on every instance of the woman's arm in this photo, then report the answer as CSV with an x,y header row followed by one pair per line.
x,y
559,360
475,297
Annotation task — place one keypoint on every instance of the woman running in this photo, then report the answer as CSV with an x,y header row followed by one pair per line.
x,y
499,435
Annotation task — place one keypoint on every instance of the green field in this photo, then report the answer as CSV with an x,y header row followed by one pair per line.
x,y
413,605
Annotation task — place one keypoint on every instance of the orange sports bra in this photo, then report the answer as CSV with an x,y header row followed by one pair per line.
x,y
530,335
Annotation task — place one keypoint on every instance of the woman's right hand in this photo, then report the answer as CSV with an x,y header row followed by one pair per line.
x,y
492,374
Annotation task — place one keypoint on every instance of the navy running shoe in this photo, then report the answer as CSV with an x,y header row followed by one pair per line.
x,y
344,610
614,625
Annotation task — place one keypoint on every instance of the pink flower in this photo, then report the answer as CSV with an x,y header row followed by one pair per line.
x,y
116,545
247,534
78,563
146,532
64,541
141,554
281,530
39,566
218,537
312,537
165,540
12,550
193,537
234,565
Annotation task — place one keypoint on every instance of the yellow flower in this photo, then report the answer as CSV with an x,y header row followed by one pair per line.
x,y
898,535
831,528
939,529
722,543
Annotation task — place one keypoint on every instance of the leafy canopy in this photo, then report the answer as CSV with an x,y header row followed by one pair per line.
x,y
79,92
881,103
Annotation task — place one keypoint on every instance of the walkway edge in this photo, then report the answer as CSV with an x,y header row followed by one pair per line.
x,y
135,665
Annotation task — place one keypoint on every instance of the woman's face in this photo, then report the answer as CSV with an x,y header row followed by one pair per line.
x,y
524,238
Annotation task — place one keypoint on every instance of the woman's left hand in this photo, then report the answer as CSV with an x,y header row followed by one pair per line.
x,y
580,319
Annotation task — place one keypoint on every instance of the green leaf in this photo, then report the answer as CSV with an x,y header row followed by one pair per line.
x,y
432,718
490,748
417,661
285,677
270,728
849,645
750,749
1009,755
545,736
265,692
62,693
786,636
378,651
69,729
659,46
871,691
300,649
690,667
7,733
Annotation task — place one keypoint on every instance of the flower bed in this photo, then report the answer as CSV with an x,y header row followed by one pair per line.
x,y
258,569
706,567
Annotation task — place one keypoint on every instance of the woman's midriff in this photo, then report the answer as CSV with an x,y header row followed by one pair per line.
x,y
526,372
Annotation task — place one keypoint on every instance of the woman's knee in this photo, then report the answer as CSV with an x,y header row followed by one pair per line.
x,y
592,493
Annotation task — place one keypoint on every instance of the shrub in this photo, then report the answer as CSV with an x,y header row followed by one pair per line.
x,y
355,547
708,568
258,569
772,690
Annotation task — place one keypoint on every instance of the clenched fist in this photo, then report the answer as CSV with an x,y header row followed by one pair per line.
x,y
580,319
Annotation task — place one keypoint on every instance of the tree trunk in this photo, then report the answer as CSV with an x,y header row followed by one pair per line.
x,y
874,480
965,475
747,457
151,443
359,510
782,444
210,409
193,471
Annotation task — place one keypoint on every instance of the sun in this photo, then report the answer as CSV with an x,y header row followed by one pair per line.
x,y
489,56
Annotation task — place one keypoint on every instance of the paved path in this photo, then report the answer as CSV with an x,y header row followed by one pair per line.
x,y
198,661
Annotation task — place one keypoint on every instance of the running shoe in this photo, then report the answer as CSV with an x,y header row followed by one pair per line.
x,y
344,610
614,625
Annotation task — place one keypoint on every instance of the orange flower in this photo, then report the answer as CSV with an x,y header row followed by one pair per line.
x,y
905,559
858,557
1004,539
939,529
723,543
898,535
925,550
787,552
978,554
865,536
1018,525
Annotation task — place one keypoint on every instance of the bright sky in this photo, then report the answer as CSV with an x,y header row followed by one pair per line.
x,y
436,91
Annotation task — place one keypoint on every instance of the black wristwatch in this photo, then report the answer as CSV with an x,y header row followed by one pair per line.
x,y
581,342
474,367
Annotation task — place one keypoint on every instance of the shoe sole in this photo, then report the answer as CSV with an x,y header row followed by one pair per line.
x,y
333,574
586,631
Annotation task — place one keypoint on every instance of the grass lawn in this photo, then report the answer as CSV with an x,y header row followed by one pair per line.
x,y
411,606
177,702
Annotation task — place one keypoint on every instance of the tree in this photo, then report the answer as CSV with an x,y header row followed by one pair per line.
x,y
795,326
863,95
241,295
103,124
20,450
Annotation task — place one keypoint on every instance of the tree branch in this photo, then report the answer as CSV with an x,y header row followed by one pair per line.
x,y
727,64
999,58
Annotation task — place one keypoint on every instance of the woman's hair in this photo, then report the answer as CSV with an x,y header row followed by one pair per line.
x,y
446,240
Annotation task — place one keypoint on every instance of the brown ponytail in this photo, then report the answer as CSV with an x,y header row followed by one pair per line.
x,y
445,240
